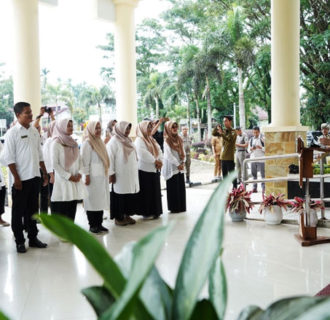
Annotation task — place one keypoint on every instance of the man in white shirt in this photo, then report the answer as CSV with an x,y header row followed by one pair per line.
x,y
257,149
22,154
242,142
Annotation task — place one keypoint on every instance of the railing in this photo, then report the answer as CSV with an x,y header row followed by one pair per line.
x,y
321,176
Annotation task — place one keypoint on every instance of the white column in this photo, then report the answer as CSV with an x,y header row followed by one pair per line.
x,y
125,61
285,63
26,53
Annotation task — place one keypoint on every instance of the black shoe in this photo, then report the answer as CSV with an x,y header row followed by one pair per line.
x,y
94,230
36,243
20,248
103,229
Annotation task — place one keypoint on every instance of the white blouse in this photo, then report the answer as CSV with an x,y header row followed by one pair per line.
x,y
127,177
171,162
64,189
47,153
146,160
98,197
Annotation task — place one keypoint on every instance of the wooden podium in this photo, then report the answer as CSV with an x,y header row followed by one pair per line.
x,y
307,235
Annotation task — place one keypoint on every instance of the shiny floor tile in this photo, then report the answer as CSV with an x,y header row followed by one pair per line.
x,y
263,263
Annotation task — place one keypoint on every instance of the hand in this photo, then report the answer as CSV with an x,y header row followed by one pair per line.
x,y
107,137
112,179
52,178
45,177
88,180
73,179
18,184
181,166
258,147
158,164
78,176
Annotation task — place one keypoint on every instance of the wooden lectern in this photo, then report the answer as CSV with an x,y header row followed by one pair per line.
x,y
307,235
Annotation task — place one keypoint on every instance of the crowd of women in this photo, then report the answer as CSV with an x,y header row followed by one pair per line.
x,y
120,175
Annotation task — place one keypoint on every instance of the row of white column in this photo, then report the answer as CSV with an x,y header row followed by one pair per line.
x,y
285,59
26,74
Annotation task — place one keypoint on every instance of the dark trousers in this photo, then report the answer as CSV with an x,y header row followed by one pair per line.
x,y
227,166
2,200
95,218
25,205
65,208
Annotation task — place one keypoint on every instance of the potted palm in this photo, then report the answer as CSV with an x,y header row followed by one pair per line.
x,y
272,206
299,206
239,203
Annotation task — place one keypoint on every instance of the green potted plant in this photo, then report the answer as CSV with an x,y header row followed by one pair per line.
x,y
272,206
239,203
299,206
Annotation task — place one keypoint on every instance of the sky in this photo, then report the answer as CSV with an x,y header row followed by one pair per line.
x,y
69,37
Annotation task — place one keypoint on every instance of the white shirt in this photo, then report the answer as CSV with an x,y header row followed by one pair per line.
x,y
23,147
47,153
98,194
171,162
64,189
254,142
146,160
2,179
126,171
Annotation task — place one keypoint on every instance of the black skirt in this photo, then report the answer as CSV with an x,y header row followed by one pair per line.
x,y
149,197
122,205
176,193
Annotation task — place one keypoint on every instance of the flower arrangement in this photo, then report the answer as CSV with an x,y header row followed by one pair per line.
x,y
274,200
239,200
298,205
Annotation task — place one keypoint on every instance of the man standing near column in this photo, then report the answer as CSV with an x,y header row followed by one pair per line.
x,y
228,136
242,143
22,153
257,149
187,143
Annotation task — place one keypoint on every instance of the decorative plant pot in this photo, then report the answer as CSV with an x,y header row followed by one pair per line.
x,y
237,216
273,215
310,221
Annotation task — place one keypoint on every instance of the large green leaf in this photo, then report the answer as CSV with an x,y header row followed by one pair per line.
x,y
99,297
218,288
204,310
145,252
3,317
200,253
98,257
302,308
155,293
250,313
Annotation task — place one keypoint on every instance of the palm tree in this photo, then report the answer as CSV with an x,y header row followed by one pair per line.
x,y
243,55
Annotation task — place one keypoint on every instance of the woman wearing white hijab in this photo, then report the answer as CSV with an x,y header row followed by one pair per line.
x,y
123,175
150,161
68,187
96,169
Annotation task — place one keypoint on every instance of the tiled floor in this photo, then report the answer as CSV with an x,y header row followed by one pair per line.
x,y
262,262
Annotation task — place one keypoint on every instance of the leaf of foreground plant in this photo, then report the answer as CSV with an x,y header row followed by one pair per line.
x,y
302,308
145,252
204,310
99,297
218,288
155,294
3,317
97,256
201,252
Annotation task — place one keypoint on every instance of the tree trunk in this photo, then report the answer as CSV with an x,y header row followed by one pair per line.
x,y
188,115
209,108
157,107
198,119
100,113
241,99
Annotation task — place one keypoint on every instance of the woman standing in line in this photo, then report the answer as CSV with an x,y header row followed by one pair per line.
x,y
68,187
96,169
109,132
123,175
149,164
173,168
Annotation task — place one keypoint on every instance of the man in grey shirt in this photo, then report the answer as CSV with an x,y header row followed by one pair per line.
x,y
187,143
242,142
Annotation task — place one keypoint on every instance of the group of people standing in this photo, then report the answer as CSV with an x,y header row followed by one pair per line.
x,y
230,146
120,175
